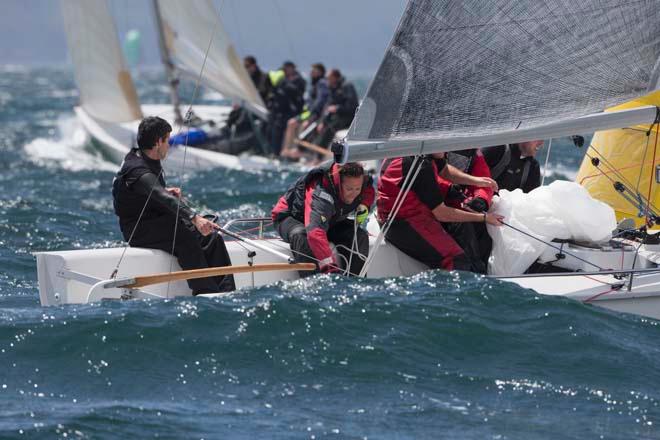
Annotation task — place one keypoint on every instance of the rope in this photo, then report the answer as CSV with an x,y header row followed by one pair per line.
x,y
312,258
552,245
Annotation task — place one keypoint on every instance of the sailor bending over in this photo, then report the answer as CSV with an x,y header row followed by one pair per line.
x,y
425,228
314,212
514,166
474,198
149,211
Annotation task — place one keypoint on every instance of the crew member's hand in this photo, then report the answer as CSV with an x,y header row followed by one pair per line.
x,y
361,214
320,127
477,204
455,193
486,182
494,219
176,192
204,226
331,109
330,268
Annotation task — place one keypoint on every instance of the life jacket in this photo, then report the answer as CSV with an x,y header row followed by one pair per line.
x,y
127,203
293,202
393,174
511,165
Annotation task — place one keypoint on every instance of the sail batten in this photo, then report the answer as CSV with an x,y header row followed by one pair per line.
x,y
493,67
106,89
189,27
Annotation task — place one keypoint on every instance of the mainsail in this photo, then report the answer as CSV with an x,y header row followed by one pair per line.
x,y
188,28
479,72
106,88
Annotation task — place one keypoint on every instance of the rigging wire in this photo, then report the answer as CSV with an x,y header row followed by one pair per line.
x,y
547,158
188,117
284,30
161,173
560,249
398,202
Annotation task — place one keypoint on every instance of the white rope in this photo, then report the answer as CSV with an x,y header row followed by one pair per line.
x,y
547,157
398,202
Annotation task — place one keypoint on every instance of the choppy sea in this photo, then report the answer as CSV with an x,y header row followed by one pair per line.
x,y
438,355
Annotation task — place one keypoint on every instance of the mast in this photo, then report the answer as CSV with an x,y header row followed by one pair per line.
x,y
170,70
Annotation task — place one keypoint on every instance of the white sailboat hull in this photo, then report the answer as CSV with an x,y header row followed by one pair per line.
x,y
114,140
66,277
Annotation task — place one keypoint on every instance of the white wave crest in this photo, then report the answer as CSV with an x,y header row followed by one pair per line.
x,y
68,151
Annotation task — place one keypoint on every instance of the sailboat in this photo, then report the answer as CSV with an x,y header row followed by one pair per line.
x,y
462,75
191,35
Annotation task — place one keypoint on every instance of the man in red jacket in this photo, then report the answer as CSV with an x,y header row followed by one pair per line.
x,y
314,212
473,162
425,227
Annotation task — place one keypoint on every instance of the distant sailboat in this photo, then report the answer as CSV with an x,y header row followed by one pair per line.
x,y
191,35
462,75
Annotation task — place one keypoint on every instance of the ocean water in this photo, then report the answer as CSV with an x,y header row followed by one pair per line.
x,y
438,355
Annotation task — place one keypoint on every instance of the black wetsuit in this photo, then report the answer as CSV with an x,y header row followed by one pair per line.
x,y
286,101
518,172
140,176
345,98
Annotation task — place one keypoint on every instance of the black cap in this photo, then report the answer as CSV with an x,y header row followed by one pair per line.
x,y
288,63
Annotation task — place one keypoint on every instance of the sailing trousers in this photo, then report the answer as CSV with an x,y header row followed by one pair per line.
x,y
449,246
192,250
341,234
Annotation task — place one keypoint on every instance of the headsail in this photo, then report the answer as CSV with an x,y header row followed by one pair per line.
x,y
188,27
493,67
621,168
106,88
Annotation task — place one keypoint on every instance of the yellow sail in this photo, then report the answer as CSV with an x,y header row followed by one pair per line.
x,y
629,156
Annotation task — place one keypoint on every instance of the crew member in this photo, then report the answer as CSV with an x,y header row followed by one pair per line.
x,y
259,78
339,112
474,198
514,166
286,101
149,211
315,103
424,227
314,212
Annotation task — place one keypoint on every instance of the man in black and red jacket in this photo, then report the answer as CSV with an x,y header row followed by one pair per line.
x,y
314,212
425,227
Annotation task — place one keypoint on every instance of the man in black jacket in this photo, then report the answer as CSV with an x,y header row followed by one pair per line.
x,y
514,166
149,211
339,112
259,78
286,101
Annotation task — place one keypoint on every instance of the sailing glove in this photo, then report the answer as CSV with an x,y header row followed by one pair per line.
x,y
478,204
455,194
361,214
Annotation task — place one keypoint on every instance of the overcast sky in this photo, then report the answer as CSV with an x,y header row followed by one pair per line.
x,y
349,34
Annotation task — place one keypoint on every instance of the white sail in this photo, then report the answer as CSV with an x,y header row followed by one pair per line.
x,y
106,88
489,69
189,27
